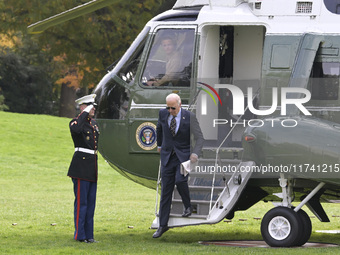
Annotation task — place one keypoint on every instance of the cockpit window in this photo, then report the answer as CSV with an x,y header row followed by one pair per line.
x,y
170,58
113,101
127,66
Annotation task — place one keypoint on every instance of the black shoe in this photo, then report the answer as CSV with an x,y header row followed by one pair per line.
x,y
92,241
160,231
82,241
187,212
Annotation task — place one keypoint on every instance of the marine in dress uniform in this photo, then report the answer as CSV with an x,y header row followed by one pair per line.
x,y
174,128
84,168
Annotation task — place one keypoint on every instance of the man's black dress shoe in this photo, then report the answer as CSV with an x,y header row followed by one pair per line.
x,y
187,212
160,231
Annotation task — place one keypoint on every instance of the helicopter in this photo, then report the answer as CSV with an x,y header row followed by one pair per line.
x,y
262,77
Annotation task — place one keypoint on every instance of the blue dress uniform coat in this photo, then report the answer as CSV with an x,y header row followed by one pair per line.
x,y
84,173
85,134
175,150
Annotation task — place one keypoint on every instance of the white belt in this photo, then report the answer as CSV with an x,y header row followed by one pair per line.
x,y
85,150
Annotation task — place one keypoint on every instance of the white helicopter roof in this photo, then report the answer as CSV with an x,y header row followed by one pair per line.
x,y
189,3
279,16
261,7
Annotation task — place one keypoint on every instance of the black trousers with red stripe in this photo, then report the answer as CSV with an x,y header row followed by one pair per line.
x,y
84,205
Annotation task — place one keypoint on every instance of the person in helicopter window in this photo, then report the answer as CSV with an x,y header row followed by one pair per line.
x,y
173,65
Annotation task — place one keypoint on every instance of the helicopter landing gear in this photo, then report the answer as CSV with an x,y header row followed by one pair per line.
x,y
286,226
280,227
306,225
283,227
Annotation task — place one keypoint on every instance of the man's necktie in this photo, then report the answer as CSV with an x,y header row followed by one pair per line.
x,y
173,126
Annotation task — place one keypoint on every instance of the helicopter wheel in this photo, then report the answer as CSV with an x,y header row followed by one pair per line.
x,y
306,226
281,227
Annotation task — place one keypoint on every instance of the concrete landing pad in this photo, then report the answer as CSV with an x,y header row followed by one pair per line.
x,y
259,244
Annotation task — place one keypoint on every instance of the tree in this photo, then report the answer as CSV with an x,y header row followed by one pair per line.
x,y
85,46
26,88
3,107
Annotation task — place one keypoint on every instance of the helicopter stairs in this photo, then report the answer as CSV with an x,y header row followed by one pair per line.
x,y
215,186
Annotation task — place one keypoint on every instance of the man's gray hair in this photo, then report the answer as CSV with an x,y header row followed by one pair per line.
x,y
173,96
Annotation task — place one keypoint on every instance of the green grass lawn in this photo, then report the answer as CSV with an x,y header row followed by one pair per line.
x,y
36,204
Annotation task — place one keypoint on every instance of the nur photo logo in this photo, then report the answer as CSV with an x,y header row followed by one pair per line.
x,y
290,98
239,99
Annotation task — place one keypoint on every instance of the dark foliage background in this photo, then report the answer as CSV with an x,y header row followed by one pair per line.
x,y
67,60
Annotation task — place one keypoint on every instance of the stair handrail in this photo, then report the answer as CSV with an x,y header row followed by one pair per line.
x,y
216,165
218,151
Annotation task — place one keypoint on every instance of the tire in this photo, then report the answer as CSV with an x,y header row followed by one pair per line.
x,y
281,227
306,226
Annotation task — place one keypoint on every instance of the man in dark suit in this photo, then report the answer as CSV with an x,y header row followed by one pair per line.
x,y
84,168
174,128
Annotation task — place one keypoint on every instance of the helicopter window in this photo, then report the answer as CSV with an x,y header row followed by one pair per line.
x,y
127,70
170,59
325,80
332,6
114,101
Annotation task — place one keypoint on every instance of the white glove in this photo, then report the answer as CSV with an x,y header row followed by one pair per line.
x,y
88,108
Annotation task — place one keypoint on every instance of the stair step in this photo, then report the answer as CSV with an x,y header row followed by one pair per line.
x,y
175,200
194,215
207,180
209,175
199,194
223,160
199,207
191,187
225,152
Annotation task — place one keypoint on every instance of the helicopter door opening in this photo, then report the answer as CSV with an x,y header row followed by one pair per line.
x,y
228,55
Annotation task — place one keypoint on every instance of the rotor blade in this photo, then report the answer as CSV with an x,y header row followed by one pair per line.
x,y
91,6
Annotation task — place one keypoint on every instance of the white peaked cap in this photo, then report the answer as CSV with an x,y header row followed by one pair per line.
x,y
87,99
